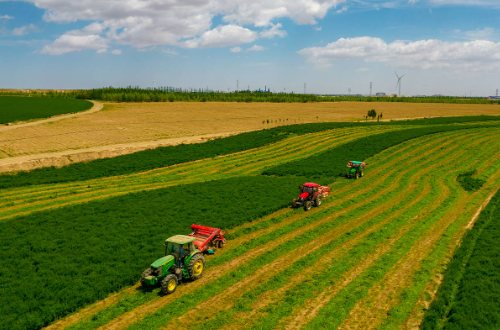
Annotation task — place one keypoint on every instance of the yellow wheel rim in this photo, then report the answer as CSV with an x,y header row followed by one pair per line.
x,y
198,267
171,284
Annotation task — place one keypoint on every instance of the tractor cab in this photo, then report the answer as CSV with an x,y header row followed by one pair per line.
x,y
179,247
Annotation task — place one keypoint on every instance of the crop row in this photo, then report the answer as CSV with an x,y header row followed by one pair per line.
x,y
14,109
315,218
167,156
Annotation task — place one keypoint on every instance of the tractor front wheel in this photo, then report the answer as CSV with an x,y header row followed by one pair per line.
x,y
357,175
196,266
362,173
169,284
307,205
145,274
293,203
319,200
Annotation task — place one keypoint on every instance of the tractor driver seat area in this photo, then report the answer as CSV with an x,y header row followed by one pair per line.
x,y
179,254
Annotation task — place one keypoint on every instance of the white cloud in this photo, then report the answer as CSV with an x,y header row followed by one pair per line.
x,y
7,17
23,30
236,49
343,10
256,48
478,34
170,52
424,54
101,51
318,28
362,70
116,52
75,42
273,31
222,36
147,23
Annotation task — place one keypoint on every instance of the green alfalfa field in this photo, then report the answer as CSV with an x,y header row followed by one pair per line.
x,y
371,257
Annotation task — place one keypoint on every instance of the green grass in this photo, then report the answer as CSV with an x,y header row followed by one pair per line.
x,y
468,295
13,108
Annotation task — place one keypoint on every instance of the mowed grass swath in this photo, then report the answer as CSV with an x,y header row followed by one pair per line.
x,y
281,267
13,108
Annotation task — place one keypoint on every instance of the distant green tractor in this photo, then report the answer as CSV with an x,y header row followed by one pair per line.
x,y
356,169
181,260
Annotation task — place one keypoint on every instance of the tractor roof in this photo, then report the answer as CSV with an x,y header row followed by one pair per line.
x,y
355,162
310,184
180,239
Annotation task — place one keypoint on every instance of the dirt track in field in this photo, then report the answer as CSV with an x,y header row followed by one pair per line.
x,y
121,128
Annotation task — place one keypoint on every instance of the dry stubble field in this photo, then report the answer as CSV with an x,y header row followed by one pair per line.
x,y
127,127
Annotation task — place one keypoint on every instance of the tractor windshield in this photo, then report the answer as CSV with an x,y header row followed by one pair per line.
x,y
177,250
307,190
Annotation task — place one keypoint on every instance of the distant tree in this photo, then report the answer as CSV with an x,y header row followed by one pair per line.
x,y
372,113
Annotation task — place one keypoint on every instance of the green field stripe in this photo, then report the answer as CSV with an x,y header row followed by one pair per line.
x,y
273,314
150,320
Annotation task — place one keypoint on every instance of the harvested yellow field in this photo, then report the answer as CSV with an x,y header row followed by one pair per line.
x,y
129,127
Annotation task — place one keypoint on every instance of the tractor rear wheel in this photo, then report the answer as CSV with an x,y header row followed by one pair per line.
x,y
319,200
293,203
307,205
221,243
145,274
196,266
169,284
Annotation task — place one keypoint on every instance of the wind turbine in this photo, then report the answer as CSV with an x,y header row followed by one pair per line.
x,y
399,82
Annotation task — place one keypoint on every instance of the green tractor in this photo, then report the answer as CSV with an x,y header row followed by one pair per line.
x,y
181,260
356,169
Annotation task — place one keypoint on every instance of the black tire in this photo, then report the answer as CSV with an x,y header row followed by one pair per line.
x,y
362,173
169,284
307,206
146,273
293,203
318,200
221,243
357,175
194,265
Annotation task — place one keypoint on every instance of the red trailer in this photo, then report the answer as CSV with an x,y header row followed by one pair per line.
x,y
208,238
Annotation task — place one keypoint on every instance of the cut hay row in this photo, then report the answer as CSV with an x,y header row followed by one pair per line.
x,y
440,157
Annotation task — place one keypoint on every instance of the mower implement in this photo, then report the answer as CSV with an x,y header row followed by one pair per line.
x,y
311,194
356,169
183,258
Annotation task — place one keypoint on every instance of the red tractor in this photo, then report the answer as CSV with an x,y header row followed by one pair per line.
x,y
310,194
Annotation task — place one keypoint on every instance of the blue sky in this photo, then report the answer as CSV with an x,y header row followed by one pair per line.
x,y
447,47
